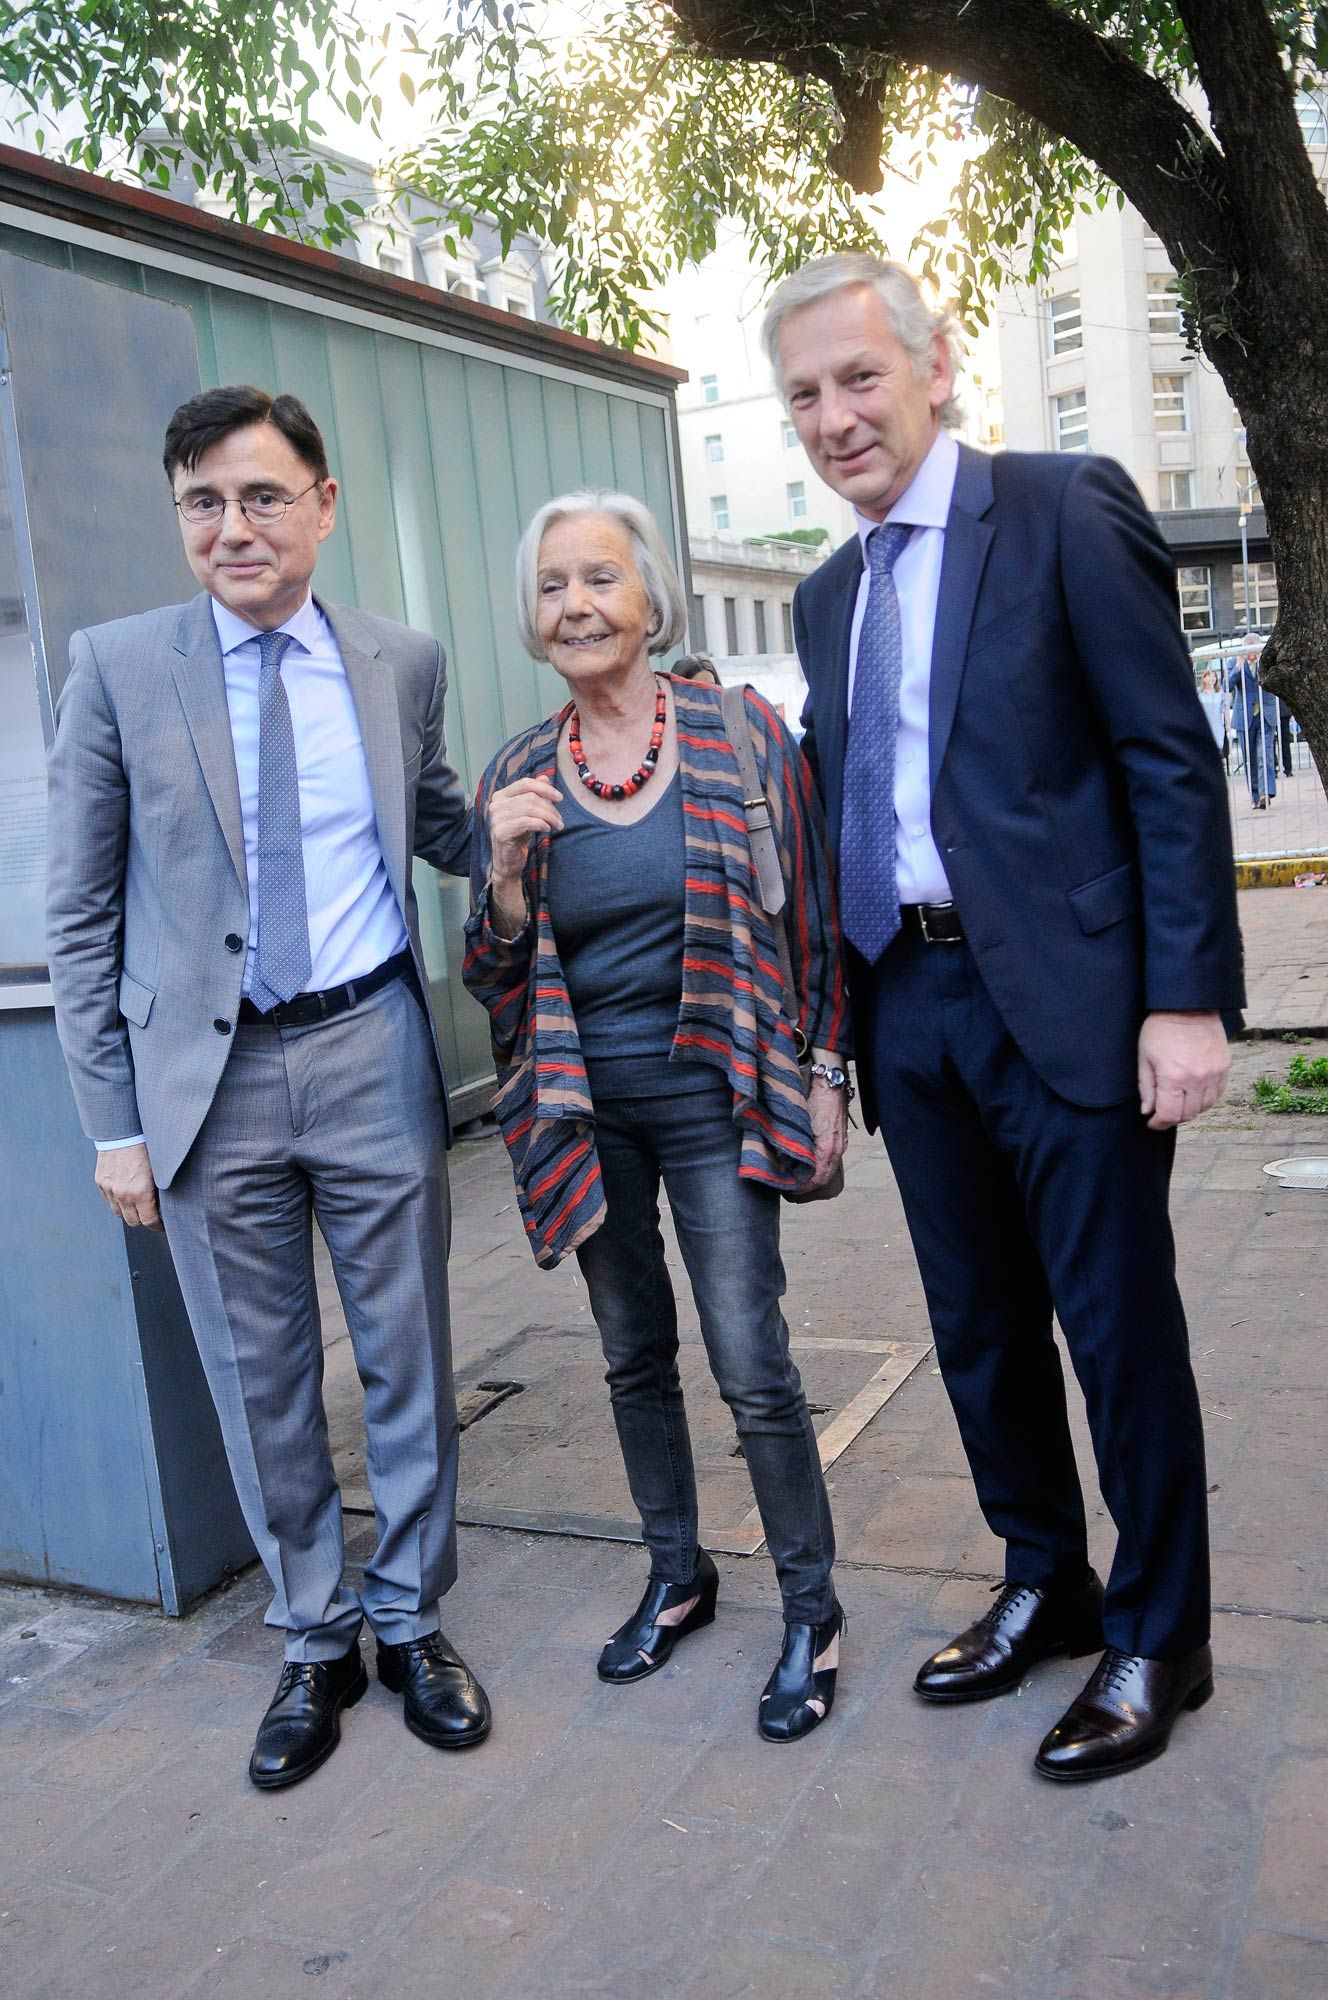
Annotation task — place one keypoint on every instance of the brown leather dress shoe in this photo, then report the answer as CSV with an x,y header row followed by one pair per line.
x,y
1023,1626
302,1728
445,1704
1124,1717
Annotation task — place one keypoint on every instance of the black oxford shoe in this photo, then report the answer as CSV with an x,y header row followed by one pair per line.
x,y
1125,1715
646,1641
1023,1626
302,1728
445,1704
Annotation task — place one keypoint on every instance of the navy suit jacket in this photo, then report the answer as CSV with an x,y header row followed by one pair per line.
x,y
1078,799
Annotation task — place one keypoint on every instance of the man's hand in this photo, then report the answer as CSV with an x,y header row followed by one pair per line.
x,y
1183,1064
125,1178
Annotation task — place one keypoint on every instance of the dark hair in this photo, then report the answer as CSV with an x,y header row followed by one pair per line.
x,y
205,420
692,665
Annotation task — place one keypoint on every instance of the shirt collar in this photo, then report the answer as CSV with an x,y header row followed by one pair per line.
x,y
234,632
925,501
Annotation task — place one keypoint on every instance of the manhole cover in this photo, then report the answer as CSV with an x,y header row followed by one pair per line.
x,y
1311,1172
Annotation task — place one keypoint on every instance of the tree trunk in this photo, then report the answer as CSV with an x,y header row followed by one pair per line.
x,y
1288,446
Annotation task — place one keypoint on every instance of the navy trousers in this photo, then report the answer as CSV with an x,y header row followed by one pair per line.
x,y
1018,1204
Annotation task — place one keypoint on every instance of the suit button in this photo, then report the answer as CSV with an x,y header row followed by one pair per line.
x,y
232,942
222,1027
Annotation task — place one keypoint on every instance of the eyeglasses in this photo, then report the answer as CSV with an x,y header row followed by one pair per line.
x,y
264,505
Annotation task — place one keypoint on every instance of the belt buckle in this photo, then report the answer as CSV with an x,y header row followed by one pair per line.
x,y
922,921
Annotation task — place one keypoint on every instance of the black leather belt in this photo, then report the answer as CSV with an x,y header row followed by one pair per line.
x,y
307,1008
938,922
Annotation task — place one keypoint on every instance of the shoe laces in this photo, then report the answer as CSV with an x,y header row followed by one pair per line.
x,y
299,1672
1113,1671
1006,1594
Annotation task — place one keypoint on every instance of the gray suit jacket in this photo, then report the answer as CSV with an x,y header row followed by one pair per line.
x,y
146,871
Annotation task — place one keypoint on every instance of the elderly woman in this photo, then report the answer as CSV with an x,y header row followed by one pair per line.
x,y
635,997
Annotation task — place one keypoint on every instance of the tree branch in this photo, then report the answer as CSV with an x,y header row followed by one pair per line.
x,y
1252,103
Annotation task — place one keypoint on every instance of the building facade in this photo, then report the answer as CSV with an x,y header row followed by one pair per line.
x,y
1095,359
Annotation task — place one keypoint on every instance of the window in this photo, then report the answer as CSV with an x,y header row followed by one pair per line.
x,y
761,644
1195,586
786,617
696,633
460,285
1071,414
790,437
1261,609
1164,308
1174,490
731,623
719,510
797,499
1310,112
710,388
393,262
715,450
1170,411
525,307
1067,326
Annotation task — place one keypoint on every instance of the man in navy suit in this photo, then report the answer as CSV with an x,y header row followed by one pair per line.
x,y
1037,888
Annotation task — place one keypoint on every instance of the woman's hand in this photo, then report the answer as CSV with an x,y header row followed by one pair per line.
x,y
829,1115
517,812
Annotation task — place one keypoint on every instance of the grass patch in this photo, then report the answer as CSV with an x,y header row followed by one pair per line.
x,y
1305,1088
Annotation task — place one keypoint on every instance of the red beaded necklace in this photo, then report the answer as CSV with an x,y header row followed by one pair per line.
x,y
645,769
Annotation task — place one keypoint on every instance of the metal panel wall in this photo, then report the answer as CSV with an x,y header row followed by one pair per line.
x,y
442,456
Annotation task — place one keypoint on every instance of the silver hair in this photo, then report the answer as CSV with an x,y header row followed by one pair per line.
x,y
659,578
911,319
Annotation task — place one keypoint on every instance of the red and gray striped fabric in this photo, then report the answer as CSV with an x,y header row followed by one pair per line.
x,y
732,993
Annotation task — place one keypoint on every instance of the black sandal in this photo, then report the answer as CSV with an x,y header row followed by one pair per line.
x,y
643,1645
798,1696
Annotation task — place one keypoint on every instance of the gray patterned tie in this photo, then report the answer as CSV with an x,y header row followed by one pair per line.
x,y
281,960
869,893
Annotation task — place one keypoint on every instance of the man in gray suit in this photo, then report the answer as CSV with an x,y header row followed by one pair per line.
x,y
237,787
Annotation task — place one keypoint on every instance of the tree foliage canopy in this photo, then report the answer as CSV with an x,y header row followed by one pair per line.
x,y
628,143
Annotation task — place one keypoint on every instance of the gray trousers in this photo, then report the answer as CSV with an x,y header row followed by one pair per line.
x,y
343,1121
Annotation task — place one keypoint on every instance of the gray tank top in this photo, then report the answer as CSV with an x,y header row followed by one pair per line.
x,y
616,905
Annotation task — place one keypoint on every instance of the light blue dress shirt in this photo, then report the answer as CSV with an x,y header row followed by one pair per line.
x,y
355,921
925,506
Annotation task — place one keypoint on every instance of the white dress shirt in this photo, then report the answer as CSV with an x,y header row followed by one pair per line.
x,y
355,921
925,506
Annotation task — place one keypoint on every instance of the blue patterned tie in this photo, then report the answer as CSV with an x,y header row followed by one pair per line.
x,y
281,960
869,893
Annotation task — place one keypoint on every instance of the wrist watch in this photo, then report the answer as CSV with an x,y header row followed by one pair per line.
x,y
835,1077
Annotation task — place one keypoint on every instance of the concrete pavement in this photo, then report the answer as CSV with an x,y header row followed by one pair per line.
x,y
614,1840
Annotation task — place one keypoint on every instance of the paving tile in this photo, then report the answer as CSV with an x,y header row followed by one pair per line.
x,y
470,1938
1148,1919
261,1969
394,1847
957,1929
33,1817
839,1860
39,1924
1289,1893
662,1870
31,1734
742,1966
574,1814
1276,1966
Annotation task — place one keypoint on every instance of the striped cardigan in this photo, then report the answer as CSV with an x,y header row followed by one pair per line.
x,y
732,1013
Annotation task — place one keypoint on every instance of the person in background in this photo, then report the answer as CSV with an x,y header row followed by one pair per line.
x,y
636,1001
1253,723
698,668
1214,703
